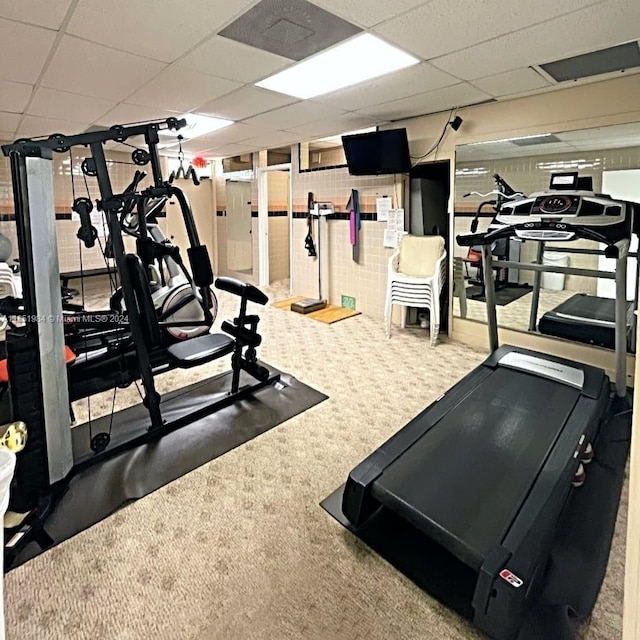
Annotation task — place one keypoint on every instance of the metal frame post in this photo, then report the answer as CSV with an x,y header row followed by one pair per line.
x,y
535,297
490,295
621,321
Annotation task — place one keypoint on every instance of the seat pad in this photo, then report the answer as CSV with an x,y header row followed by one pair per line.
x,y
196,351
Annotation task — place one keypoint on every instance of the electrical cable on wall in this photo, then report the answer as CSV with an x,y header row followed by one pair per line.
x,y
455,125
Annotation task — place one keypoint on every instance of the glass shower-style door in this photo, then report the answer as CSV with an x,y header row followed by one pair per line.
x,y
239,235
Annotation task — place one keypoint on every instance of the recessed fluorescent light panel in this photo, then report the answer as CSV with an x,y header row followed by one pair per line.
x,y
356,60
197,126
544,137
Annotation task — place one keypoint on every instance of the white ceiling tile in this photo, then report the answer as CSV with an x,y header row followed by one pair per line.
x,y
331,126
246,102
44,13
14,96
563,37
230,135
227,58
50,103
160,30
510,82
272,139
295,115
231,150
194,146
598,145
407,82
34,127
459,95
437,28
621,131
368,12
9,121
181,90
127,113
94,70
24,51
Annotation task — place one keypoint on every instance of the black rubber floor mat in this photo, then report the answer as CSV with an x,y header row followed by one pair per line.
x,y
503,296
98,491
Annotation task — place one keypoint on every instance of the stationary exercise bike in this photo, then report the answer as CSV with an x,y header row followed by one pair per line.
x,y
502,193
175,297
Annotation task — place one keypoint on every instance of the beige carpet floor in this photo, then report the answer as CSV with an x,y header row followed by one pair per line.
x,y
239,549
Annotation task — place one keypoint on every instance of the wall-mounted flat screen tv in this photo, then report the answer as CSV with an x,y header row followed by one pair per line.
x,y
377,153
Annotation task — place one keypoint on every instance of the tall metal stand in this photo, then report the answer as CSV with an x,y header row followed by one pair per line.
x,y
490,296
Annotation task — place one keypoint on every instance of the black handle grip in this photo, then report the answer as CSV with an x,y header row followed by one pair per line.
x,y
472,239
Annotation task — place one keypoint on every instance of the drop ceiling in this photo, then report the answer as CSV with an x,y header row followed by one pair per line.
x,y
594,139
68,65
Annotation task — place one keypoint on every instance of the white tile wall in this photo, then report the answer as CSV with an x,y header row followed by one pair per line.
x,y
71,253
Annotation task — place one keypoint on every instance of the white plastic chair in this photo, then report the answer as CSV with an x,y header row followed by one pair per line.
x,y
10,285
416,275
459,285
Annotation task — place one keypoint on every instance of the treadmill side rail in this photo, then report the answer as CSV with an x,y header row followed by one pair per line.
x,y
499,604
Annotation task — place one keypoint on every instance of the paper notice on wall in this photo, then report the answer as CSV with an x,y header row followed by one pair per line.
x,y
395,228
98,221
383,206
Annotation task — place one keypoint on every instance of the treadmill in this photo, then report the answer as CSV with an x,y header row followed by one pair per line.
x,y
587,319
483,473
583,318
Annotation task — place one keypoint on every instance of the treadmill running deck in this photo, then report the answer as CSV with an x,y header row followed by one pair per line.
x,y
489,447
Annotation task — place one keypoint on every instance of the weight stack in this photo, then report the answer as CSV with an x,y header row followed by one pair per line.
x,y
31,478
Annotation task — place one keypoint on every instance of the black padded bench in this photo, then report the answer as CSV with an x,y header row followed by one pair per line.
x,y
87,273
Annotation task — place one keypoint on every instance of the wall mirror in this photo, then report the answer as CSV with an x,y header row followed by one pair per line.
x,y
609,156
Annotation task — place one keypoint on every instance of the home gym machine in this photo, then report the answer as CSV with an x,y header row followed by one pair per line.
x,y
482,476
41,383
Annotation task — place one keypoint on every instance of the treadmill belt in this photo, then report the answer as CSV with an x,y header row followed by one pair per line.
x,y
488,446
589,308
585,318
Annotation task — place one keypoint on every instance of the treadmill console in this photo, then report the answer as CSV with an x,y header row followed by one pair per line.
x,y
544,215
556,204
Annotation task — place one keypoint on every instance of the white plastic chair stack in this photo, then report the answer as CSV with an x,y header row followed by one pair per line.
x,y
7,467
8,284
416,275
459,285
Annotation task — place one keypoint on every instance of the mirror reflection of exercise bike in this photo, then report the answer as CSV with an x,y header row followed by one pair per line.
x,y
504,249
175,296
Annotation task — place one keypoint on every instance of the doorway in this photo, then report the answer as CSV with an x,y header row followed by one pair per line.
x,y
278,188
428,212
239,232
274,226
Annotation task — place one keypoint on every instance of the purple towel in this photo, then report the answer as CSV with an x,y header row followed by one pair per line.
x,y
354,223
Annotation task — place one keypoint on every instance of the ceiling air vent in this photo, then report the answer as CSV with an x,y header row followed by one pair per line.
x,y
530,141
624,56
294,29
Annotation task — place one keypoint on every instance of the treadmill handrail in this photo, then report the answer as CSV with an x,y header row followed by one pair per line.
x,y
511,231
